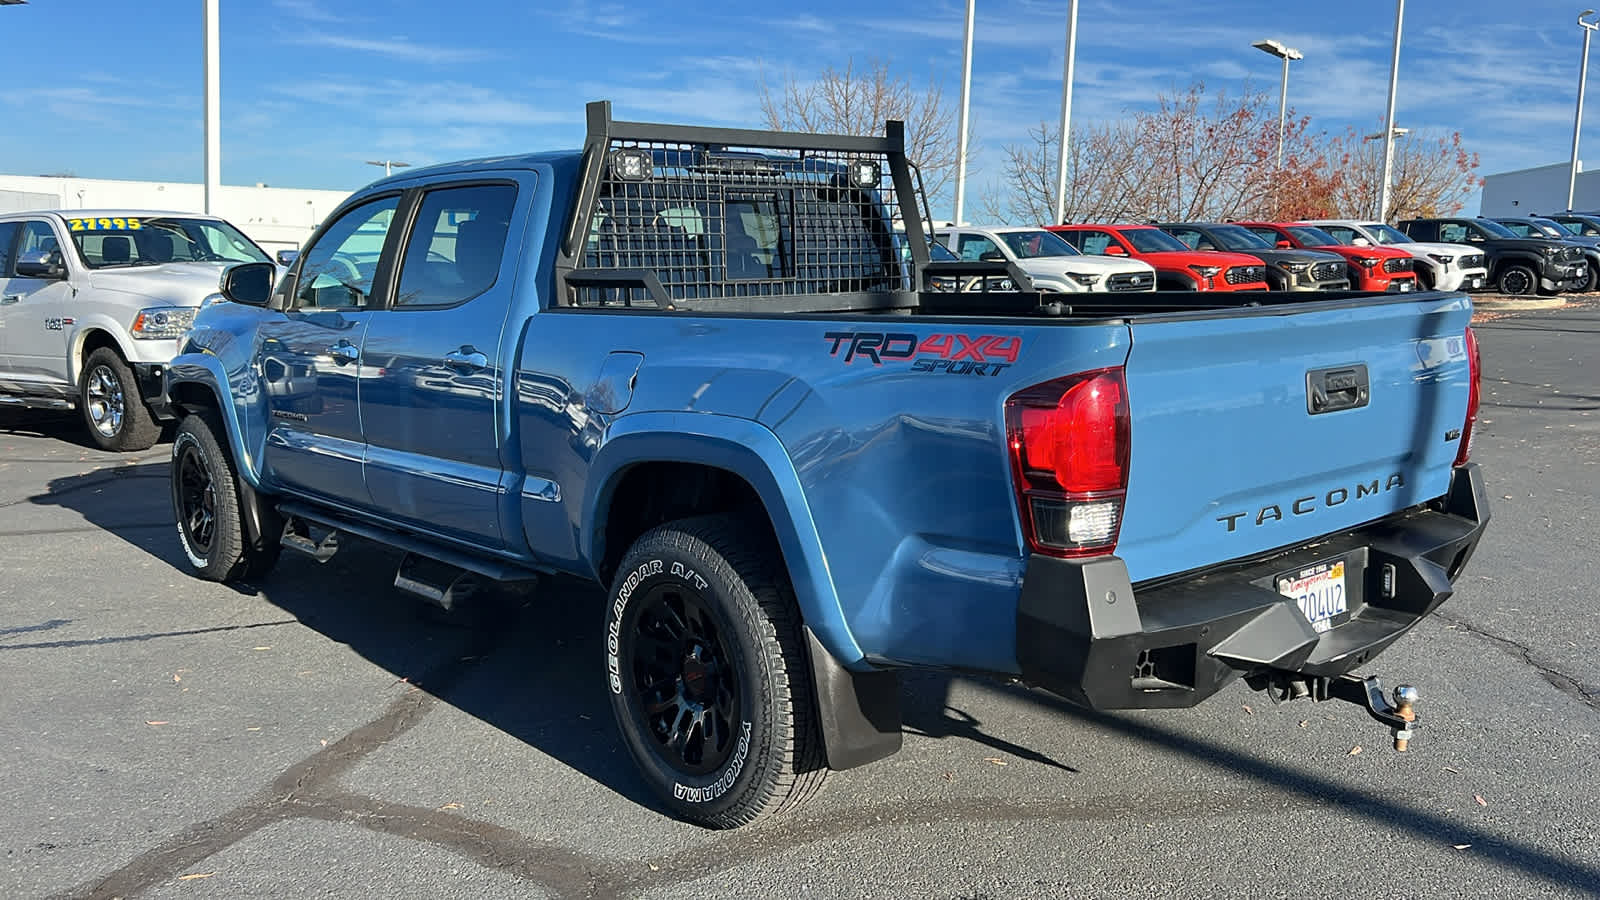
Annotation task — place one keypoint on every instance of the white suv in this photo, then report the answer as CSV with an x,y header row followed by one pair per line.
x,y
1050,262
92,304
1441,267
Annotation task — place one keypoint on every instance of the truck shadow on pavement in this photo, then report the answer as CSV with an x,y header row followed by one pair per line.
x,y
547,642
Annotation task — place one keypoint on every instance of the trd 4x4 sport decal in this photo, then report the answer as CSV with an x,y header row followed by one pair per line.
x,y
952,354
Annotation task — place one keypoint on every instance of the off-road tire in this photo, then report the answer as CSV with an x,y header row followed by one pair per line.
x,y
774,758
1425,277
134,428
1517,280
217,547
1591,279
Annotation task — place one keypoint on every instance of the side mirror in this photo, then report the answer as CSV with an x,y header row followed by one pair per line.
x,y
1360,242
249,283
1114,250
41,264
992,256
1283,244
287,257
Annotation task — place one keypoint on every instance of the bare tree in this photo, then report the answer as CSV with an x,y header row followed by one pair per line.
x,y
858,101
1105,177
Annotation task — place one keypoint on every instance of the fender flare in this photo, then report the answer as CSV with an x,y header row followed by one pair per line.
x,y
205,370
752,452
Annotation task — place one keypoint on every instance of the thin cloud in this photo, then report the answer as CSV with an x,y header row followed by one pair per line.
x,y
398,48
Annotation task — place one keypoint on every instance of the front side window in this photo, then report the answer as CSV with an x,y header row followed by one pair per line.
x,y
1388,234
456,246
1452,232
1518,228
38,237
972,247
8,236
1486,229
1093,243
107,242
337,271
1153,240
1189,236
1340,233
1235,237
1308,236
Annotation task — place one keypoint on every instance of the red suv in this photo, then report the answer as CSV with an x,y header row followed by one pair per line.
x,y
1178,268
1372,268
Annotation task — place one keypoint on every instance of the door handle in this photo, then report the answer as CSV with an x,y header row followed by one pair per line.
x,y
7,301
466,360
344,352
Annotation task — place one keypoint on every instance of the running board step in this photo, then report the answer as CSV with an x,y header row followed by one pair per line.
x,y
316,541
440,584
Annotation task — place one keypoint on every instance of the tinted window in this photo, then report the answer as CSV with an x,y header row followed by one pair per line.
x,y
1034,244
1266,234
1312,237
456,246
974,246
1490,229
38,237
8,236
1340,233
1235,237
754,238
1153,240
1189,236
338,269
1093,243
1452,232
1517,228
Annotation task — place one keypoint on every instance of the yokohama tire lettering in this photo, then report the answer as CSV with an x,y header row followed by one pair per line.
x,y
724,782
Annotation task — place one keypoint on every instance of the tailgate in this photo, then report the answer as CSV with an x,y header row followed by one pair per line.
x,y
1229,460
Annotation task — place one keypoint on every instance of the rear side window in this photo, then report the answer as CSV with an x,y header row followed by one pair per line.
x,y
457,245
8,236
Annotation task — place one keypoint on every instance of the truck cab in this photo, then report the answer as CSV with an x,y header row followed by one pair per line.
x,y
92,304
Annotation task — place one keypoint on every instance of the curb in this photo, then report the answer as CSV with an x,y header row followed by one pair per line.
x,y
1497,303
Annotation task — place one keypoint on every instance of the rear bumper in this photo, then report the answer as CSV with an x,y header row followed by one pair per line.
x,y
1085,632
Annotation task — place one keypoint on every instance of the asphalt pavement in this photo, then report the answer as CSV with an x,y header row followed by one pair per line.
x,y
318,734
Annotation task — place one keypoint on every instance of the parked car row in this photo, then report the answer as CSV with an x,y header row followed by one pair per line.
x,y
1510,255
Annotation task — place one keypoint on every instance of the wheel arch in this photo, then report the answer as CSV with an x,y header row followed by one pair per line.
x,y
739,463
194,381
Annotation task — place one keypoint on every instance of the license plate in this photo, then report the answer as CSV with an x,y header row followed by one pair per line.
x,y
1319,591
1403,287
1474,282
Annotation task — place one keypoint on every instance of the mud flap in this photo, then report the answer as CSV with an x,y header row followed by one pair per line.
x,y
859,712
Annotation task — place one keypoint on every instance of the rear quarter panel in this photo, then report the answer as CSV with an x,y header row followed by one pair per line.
x,y
901,465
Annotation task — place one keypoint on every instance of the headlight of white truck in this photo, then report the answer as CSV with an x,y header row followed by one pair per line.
x,y
162,322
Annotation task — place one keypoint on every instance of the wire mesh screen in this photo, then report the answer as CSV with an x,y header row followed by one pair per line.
x,y
717,223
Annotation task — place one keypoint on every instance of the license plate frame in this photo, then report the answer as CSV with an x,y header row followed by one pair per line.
x,y
1475,282
1321,592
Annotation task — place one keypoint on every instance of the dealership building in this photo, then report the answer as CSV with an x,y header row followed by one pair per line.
x,y
276,218
1539,191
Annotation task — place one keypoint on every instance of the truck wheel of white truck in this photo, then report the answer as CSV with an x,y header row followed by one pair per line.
x,y
708,674
108,394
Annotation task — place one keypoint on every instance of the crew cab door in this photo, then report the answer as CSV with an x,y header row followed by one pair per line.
x,y
310,357
36,317
433,436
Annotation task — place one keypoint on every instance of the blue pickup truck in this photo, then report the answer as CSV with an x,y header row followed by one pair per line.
x,y
704,367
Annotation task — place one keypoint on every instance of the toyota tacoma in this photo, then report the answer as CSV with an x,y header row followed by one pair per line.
x,y
690,364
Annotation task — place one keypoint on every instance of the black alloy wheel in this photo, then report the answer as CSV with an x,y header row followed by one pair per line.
x,y
197,500
684,679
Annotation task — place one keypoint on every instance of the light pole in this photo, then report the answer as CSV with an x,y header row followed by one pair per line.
x,y
1066,111
1577,116
1388,118
1277,49
389,165
961,138
213,107
1381,135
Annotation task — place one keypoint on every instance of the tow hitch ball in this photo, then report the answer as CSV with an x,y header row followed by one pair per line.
x,y
1400,716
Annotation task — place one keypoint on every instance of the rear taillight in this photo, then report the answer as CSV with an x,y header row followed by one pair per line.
x,y
1475,373
1069,443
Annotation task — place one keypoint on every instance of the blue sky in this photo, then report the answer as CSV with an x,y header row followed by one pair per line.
x,y
312,88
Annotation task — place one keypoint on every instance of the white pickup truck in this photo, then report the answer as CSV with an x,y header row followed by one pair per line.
x,y
92,304
1051,263
1439,267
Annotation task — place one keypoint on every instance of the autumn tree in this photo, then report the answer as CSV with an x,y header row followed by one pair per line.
x,y
1434,174
858,101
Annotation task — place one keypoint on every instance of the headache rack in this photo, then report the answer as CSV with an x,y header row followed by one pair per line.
x,y
722,219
